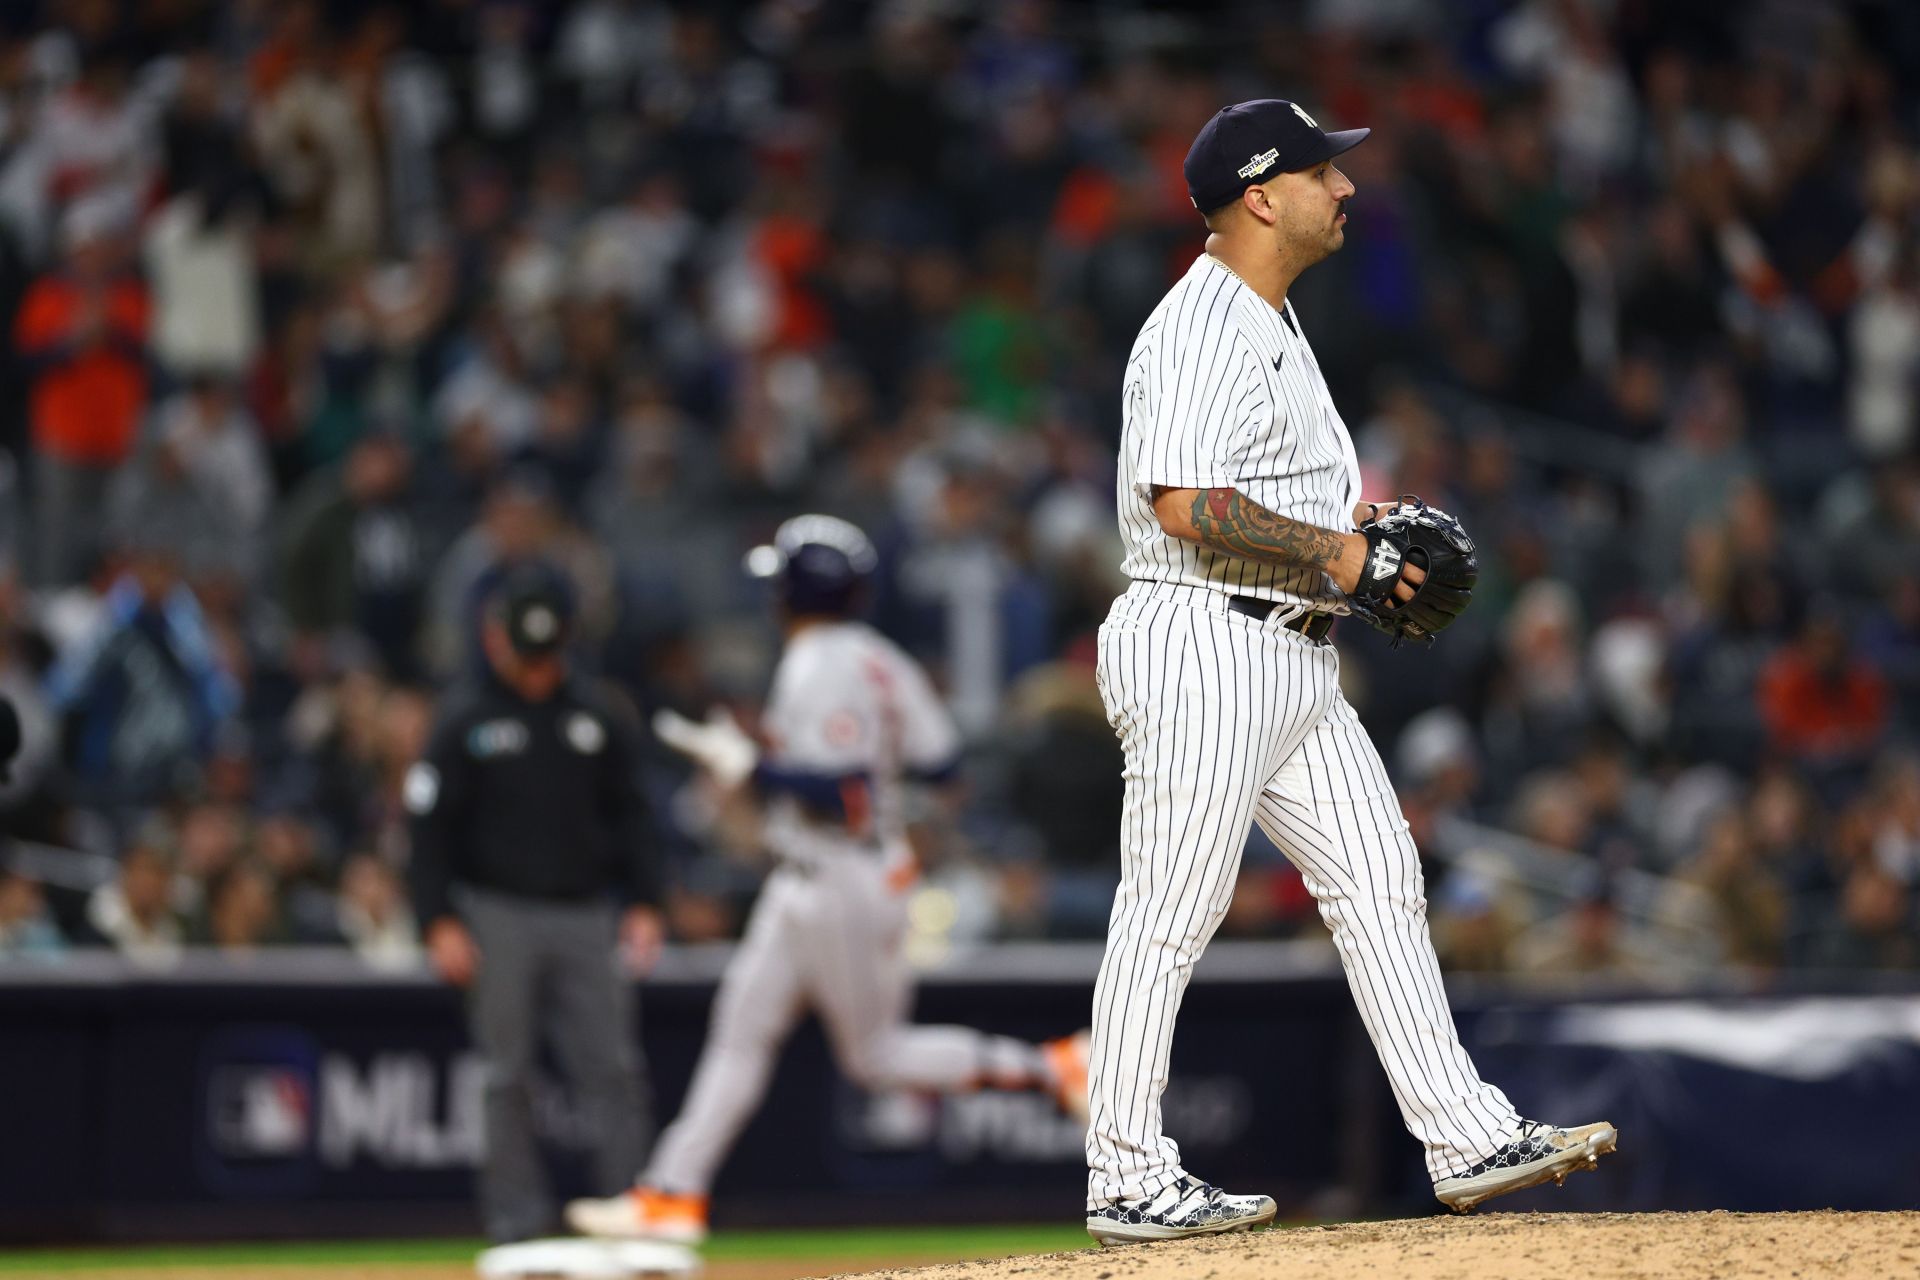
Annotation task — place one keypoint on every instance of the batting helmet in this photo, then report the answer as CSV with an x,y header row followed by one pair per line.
x,y
818,564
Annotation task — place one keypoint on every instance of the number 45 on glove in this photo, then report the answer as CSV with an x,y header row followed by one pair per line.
x,y
1434,541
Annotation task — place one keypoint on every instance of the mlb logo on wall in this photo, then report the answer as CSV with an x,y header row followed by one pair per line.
x,y
256,1130
260,1112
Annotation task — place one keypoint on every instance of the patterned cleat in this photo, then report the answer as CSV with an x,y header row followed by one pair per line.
x,y
642,1214
1537,1153
1066,1060
1185,1207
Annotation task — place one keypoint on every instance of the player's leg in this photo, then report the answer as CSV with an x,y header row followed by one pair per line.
x,y
590,1010
858,979
502,1008
753,1012
1331,808
758,1001
1205,705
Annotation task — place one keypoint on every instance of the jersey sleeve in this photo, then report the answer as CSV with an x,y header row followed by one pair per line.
x,y
1211,400
624,798
437,792
929,739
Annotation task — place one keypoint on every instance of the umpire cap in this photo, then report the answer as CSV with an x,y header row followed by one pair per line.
x,y
535,605
818,564
1250,142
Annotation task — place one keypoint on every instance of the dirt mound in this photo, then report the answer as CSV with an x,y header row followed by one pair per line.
x,y
1502,1246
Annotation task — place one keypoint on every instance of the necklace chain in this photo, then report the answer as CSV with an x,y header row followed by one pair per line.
x,y
1243,280
1235,274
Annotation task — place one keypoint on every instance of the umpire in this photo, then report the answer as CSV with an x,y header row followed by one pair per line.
x,y
532,868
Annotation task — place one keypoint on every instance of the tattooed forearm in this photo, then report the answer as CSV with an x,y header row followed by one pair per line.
x,y
1227,521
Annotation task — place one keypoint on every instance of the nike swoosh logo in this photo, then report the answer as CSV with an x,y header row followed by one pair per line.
x,y
1276,361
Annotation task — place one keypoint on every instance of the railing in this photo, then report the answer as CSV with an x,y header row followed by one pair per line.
x,y
1539,438
1672,912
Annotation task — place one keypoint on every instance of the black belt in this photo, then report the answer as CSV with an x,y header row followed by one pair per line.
x,y
1314,626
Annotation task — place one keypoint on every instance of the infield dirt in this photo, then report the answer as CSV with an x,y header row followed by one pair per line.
x,y
1501,1246
1486,1246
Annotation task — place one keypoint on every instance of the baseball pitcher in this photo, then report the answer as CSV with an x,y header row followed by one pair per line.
x,y
852,729
1246,535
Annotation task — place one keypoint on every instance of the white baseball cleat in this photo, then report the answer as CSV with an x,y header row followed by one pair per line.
x,y
642,1214
1185,1207
1537,1153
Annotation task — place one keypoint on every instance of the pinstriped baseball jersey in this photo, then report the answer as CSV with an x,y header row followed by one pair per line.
x,y
828,933
1223,391
847,700
1228,720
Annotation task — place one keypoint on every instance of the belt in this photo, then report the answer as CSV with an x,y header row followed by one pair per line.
x,y
1314,626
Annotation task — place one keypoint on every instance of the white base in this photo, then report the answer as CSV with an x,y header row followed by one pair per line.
x,y
571,1259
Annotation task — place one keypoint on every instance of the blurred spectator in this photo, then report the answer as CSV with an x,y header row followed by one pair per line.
x,y
1474,929
26,928
1064,766
1824,706
199,245
353,556
1688,479
374,916
1436,771
20,685
1896,840
198,486
82,328
90,143
312,136
1551,810
634,249
290,851
143,691
1873,926
134,913
242,911
1539,697
523,523
1589,937
1750,903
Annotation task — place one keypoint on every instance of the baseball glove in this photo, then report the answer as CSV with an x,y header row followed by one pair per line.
x,y
1433,540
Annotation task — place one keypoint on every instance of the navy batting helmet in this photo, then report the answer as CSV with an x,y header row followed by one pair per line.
x,y
818,564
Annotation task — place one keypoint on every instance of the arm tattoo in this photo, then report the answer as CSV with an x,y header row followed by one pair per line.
x,y
1230,522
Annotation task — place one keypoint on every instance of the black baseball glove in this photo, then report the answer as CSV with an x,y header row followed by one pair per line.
x,y
1431,539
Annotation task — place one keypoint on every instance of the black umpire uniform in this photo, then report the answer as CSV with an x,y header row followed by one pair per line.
x,y
532,856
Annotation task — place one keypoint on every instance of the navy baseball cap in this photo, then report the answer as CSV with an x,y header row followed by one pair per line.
x,y
536,605
1249,142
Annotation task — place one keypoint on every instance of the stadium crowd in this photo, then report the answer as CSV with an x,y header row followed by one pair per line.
x,y
323,316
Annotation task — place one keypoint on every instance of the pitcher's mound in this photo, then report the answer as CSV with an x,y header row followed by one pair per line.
x,y
1502,1246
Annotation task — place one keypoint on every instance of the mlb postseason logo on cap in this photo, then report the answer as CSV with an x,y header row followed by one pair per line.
x,y
1249,142
1260,163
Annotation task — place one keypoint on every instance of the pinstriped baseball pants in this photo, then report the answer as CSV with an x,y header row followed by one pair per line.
x,y
1227,721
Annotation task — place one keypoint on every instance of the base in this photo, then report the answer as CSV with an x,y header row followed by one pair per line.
x,y
577,1259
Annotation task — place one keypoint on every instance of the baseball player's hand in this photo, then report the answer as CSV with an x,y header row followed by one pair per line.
x,y
642,934
1353,565
452,952
718,744
1435,543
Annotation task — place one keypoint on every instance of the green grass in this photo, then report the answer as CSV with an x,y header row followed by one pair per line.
x,y
852,1244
